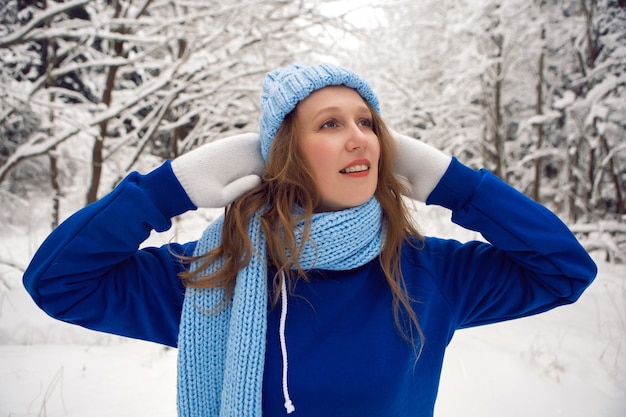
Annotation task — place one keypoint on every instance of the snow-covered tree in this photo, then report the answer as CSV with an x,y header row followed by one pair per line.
x,y
423,58
533,91
130,76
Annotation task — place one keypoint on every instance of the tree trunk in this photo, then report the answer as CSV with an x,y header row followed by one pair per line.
x,y
538,111
96,170
590,37
54,180
179,132
97,153
615,179
49,51
497,111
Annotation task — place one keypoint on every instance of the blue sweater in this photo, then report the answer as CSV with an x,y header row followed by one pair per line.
x,y
346,357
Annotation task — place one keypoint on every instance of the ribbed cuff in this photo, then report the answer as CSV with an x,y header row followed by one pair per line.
x,y
166,191
456,187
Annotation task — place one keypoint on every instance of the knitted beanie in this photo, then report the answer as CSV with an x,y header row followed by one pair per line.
x,y
283,88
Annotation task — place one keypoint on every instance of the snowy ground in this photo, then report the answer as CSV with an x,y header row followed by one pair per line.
x,y
568,362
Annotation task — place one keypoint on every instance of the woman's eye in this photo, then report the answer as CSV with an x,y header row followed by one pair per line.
x,y
329,124
365,123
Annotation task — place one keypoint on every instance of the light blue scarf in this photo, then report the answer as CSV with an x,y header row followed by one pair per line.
x,y
221,356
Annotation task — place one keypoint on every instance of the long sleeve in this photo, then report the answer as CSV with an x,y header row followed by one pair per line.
x,y
531,263
90,271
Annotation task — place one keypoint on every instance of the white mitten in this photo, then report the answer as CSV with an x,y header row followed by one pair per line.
x,y
420,164
215,174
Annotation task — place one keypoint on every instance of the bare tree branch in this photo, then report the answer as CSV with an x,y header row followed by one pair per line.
x,y
39,18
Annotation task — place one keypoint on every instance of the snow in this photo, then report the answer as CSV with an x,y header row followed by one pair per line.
x,y
567,362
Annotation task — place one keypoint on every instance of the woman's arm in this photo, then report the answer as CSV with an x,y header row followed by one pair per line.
x,y
532,262
90,271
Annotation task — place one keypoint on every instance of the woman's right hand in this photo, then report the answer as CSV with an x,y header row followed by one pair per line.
x,y
215,174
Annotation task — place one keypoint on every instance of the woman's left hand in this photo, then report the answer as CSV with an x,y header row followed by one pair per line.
x,y
420,164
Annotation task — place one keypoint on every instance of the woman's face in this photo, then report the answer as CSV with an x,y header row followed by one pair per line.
x,y
336,137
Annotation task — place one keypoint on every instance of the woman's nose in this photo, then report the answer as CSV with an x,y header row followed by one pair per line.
x,y
357,138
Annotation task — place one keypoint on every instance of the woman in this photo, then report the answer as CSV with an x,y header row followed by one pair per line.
x,y
314,293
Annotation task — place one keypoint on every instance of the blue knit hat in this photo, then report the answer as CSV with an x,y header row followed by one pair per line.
x,y
283,88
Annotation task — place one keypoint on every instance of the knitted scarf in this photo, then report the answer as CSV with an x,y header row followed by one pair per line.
x,y
221,355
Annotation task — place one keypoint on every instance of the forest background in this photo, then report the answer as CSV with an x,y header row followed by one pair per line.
x,y
534,91
92,89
